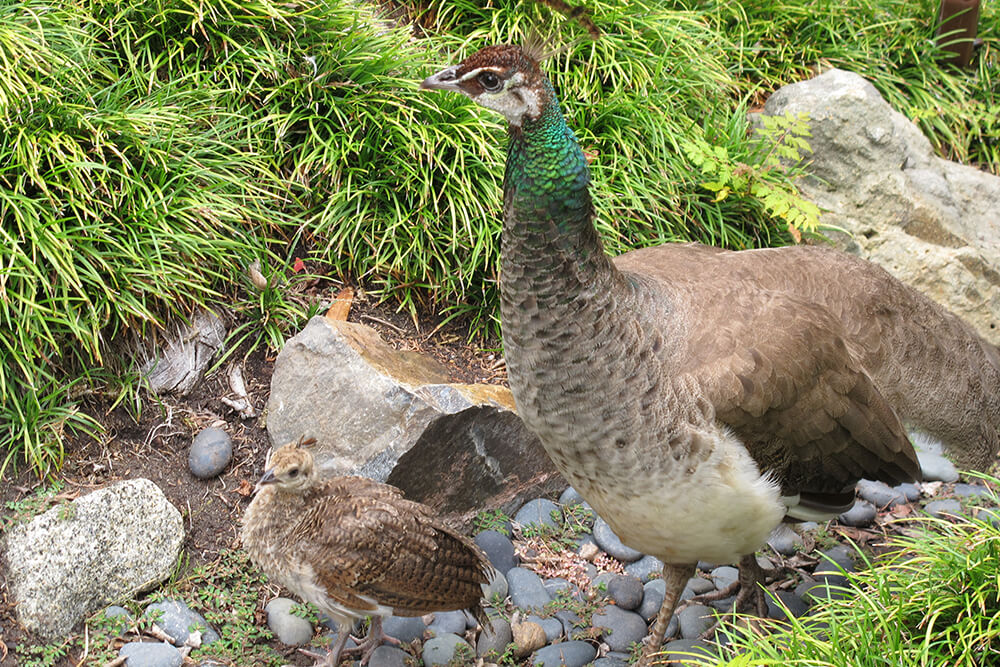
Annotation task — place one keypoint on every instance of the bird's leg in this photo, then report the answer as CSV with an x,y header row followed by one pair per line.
x,y
751,599
674,576
752,578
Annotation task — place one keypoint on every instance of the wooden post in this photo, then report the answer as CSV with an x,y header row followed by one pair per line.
x,y
958,21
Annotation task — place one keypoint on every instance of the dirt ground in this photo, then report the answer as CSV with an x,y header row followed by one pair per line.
x,y
155,446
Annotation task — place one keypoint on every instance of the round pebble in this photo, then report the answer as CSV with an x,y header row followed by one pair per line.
x,y
526,589
829,576
290,629
625,591
528,636
964,490
404,628
607,540
988,515
862,514
790,602
448,621
565,654
608,661
177,619
571,497
210,453
557,586
621,628
725,576
645,568
445,649
910,490
571,622
552,626
115,611
880,494
494,638
694,620
784,540
389,656
498,549
942,509
539,512
151,654
699,585
653,593
680,650
935,467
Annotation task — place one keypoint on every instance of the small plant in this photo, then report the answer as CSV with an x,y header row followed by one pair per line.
x,y
306,610
931,600
464,655
765,176
228,592
491,520
19,511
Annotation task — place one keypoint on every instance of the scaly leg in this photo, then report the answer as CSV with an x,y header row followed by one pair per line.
x,y
674,576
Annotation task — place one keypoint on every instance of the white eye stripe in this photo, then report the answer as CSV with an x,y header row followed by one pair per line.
x,y
479,70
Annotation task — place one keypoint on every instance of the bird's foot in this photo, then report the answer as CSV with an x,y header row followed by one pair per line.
x,y
375,638
322,659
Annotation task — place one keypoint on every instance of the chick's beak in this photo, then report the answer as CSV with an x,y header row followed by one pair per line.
x,y
267,478
446,79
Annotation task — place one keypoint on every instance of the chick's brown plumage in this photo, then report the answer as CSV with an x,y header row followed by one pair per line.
x,y
354,547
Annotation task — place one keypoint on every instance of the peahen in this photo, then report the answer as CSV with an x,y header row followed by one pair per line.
x,y
695,396
355,548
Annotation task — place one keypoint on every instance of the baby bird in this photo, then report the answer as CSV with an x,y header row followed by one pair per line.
x,y
354,547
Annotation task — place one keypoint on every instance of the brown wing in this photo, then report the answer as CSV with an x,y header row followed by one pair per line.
x,y
782,376
366,543
779,371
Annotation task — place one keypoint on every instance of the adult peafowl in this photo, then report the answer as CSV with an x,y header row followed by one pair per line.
x,y
694,396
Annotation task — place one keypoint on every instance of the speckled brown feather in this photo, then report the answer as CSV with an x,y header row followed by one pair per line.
x,y
366,541
355,547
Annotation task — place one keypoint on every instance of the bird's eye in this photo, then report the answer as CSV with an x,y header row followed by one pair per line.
x,y
490,81
293,473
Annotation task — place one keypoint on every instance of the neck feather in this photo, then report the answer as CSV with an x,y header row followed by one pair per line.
x,y
550,246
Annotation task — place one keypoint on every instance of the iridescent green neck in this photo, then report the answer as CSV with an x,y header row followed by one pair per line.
x,y
548,214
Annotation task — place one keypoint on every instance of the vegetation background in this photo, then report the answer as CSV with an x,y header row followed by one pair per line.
x,y
151,151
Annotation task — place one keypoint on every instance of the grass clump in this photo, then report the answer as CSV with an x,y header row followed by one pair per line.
x,y
933,599
152,151
889,42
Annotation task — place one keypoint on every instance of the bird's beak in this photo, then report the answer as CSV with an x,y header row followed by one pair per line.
x,y
267,478
446,79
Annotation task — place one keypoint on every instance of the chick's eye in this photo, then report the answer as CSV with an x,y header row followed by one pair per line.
x,y
293,473
490,81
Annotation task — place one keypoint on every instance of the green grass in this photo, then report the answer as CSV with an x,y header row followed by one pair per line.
x,y
152,151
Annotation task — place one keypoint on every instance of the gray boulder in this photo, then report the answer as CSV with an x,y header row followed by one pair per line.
x,y
74,559
393,416
929,222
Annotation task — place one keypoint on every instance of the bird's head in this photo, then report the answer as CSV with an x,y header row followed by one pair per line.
x,y
504,78
290,468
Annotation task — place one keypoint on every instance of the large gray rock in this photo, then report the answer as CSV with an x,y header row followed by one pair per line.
x,y
932,223
74,559
392,416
